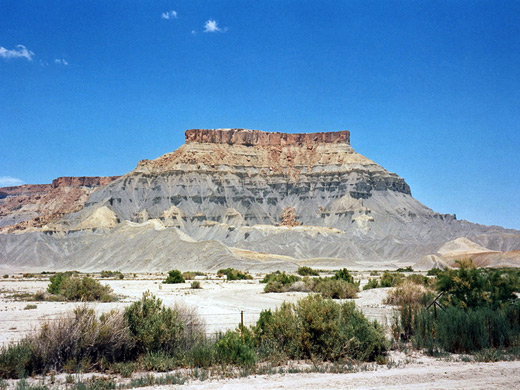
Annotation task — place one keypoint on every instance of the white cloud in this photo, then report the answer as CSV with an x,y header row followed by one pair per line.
x,y
212,26
169,15
61,61
19,52
8,181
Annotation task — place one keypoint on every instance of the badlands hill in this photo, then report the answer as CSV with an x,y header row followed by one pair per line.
x,y
252,200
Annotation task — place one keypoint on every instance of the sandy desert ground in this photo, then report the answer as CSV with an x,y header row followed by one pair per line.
x,y
220,302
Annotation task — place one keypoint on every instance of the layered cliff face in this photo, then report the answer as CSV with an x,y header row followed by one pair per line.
x,y
253,176
263,200
34,206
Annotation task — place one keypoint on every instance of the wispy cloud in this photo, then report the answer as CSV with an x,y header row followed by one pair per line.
x,y
61,61
19,52
169,15
8,181
212,26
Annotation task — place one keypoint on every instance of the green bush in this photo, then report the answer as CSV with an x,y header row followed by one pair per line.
x,y
344,274
85,289
174,277
434,272
372,283
268,277
418,279
112,274
335,288
391,279
318,328
15,360
158,361
469,287
55,283
154,327
280,282
202,354
234,348
233,274
460,330
307,271
195,285
407,269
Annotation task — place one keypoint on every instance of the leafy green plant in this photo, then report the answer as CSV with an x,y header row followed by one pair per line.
x,y
280,282
152,326
174,277
336,288
236,348
85,289
195,285
469,287
268,277
233,274
112,274
319,328
372,283
307,271
344,274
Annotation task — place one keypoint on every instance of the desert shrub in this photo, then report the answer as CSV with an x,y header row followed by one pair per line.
x,y
268,277
344,274
406,269
6,276
434,272
112,274
157,361
195,285
174,277
188,275
390,279
125,369
55,283
30,307
78,338
307,271
85,289
318,328
460,330
335,288
418,279
372,283
202,354
234,348
152,326
409,293
469,287
233,274
280,282
15,360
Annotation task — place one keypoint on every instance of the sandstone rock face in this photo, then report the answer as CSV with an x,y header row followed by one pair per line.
x,y
34,206
270,200
247,137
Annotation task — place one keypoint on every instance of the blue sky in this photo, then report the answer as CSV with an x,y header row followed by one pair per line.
x,y
429,90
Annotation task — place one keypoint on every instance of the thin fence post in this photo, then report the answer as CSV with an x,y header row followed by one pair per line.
x,y
242,324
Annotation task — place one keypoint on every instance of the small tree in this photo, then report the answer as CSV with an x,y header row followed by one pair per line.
x,y
174,276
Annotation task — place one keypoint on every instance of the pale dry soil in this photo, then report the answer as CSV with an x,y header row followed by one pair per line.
x,y
220,303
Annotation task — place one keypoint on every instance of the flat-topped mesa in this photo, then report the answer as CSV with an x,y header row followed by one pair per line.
x,y
262,138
